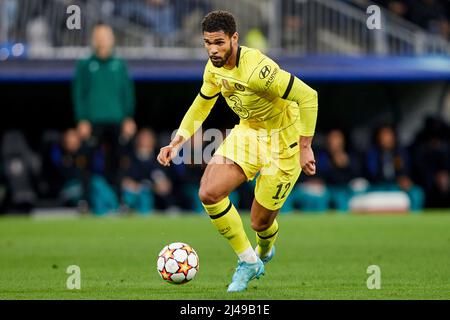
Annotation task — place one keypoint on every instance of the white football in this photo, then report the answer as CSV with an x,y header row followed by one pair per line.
x,y
177,263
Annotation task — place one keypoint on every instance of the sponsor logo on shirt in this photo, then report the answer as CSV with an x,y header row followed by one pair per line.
x,y
271,79
265,71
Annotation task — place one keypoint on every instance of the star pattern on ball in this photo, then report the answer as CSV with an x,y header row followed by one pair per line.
x,y
168,253
177,263
188,249
165,274
184,267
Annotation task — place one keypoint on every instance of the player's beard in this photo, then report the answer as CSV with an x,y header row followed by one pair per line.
x,y
222,62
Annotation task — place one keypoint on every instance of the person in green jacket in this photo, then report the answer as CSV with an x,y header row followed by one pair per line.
x,y
103,99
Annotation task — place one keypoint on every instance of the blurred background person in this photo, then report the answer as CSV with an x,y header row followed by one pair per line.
x,y
388,167
72,162
145,186
431,161
104,99
21,170
339,167
157,15
431,15
80,182
338,178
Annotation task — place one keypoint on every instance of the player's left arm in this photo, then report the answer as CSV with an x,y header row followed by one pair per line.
x,y
280,83
307,101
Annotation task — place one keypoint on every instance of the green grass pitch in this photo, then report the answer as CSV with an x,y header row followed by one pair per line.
x,y
322,256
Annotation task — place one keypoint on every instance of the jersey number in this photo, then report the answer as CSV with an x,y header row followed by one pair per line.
x,y
279,189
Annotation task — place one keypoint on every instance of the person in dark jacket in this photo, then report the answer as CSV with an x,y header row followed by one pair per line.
x,y
388,167
144,183
340,168
78,167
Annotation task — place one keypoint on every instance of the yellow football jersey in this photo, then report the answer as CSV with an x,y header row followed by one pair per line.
x,y
255,89
264,96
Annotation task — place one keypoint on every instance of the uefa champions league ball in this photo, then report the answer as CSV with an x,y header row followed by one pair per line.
x,y
177,263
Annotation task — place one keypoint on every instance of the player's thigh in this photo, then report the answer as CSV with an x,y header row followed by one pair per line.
x,y
240,146
273,188
220,178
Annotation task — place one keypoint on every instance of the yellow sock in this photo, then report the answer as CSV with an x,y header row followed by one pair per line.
x,y
226,219
265,239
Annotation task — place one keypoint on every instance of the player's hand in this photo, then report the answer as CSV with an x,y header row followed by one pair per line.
x,y
307,161
166,154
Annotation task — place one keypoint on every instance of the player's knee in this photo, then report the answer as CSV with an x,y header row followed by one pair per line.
x,y
260,225
209,196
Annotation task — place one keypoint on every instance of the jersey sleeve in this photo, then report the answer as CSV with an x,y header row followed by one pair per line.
x,y
209,89
200,108
269,78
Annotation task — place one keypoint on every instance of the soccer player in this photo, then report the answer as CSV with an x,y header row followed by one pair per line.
x,y
272,141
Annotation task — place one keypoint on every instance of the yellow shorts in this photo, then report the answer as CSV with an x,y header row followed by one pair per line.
x,y
274,159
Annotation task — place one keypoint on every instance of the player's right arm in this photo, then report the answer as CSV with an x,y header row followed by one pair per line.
x,y
192,120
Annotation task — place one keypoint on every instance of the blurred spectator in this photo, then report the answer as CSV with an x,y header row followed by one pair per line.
x,y
145,183
21,169
72,162
8,16
340,169
338,178
292,23
38,33
431,159
187,16
127,135
399,7
171,22
103,98
79,182
388,167
158,15
431,15
127,141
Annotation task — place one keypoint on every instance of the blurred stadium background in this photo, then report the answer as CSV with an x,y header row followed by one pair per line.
x,y
386,92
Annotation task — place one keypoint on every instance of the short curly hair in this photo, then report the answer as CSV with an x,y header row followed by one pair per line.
x,y
219,21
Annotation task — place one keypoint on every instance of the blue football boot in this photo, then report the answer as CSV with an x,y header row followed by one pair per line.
x,y
244,273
